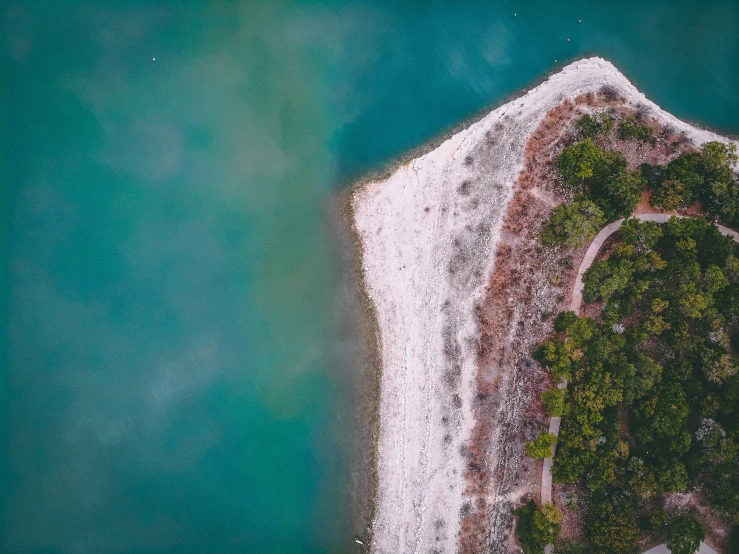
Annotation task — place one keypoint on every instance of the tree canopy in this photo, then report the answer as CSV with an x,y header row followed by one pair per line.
x,y
553,401
601,177
706,176
536,528
579,162
684,535
541,447
653,388
653,381
573,224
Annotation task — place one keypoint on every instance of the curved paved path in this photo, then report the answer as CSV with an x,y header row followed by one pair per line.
x,y
662,549
554,422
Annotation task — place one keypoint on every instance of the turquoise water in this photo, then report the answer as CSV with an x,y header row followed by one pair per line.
x,y
175,377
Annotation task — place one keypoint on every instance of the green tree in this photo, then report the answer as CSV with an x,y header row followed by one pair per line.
x,y
565,320
722,201
578,162
541,447
686,169
582,331
734,540
604,279
612,528
714,279
533,530
598,392
671,411
642,235
640,376
684,535
722,489
607,468
720,192
718,366
553,401
619,194
641,480
672,476
572,224
658,518
610,164
716,157
550,511
692,302
556,356
654,174
670,195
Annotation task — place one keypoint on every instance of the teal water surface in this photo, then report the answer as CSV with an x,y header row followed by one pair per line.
x,y
174,378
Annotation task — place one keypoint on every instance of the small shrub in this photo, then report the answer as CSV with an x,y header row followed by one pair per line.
x,y
609,93
541,447
553,401
631,129
591,126
570,499
552,514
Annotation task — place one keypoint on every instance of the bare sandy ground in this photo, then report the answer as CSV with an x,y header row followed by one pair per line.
x,y
429,235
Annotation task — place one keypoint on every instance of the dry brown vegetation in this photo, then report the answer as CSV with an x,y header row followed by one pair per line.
x,y
525,287
528,286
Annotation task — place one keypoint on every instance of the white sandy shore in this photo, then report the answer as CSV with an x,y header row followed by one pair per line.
x,y
429,234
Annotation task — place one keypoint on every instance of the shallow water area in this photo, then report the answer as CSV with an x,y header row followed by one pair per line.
x,y
181,372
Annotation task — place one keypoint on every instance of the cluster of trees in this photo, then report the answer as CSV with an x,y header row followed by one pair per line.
x,y
604,190
536,528
590,126
601,177
653,397
705,176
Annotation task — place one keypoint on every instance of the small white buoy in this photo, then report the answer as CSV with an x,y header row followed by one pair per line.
x,y
555,61
579,20
568,40
153,59
515,14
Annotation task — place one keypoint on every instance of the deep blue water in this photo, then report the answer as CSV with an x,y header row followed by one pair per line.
x,y
171,379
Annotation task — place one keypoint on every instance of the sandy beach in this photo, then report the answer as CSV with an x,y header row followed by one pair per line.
x,y
429,236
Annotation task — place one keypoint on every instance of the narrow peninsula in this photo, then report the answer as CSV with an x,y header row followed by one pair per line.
x,y
468,255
